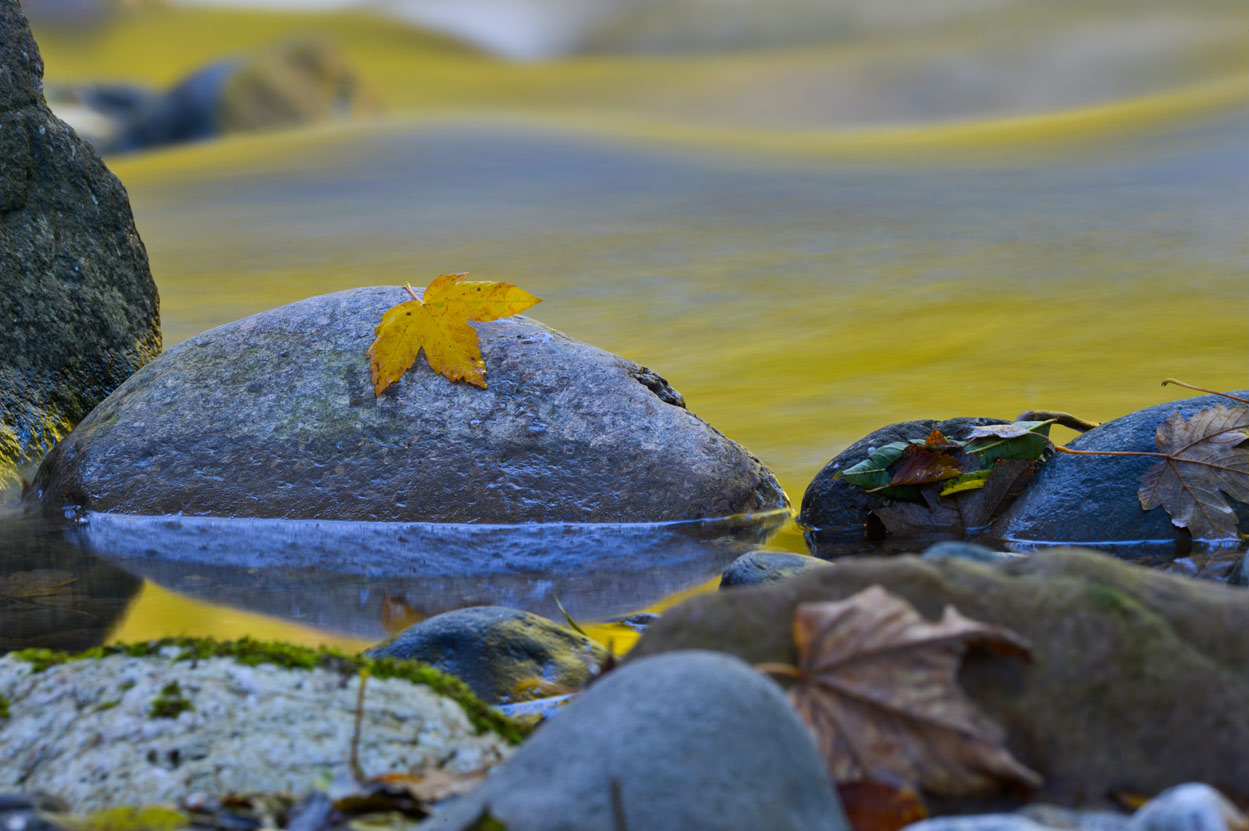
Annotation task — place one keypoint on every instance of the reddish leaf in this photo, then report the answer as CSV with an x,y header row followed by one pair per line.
x,y
875,806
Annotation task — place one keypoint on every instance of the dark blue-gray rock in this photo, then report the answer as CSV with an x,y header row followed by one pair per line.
x,y
78,305
275,416
686,740
759,568
25,812
966,551
1138,678
833,506
1093,499
292,83
1191,806
493,649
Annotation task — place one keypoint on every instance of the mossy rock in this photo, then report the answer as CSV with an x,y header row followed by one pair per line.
x,y
1138,682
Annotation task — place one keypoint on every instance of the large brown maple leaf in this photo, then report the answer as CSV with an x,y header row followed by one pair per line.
x,y
876,683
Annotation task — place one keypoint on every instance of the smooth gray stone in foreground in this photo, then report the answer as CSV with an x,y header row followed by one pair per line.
x,y
78,307
966,551
492,649
1189,807
981,822
275,416
692,740
759,568
1092,499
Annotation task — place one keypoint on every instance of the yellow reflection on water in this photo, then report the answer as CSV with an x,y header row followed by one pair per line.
x,y
156,612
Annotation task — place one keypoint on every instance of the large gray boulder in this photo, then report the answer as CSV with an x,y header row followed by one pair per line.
x,y
77,300
274,416
1138,679
686,740
1092,499
494,650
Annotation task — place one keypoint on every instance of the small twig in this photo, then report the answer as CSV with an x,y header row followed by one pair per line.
x,y
787,670
353,761
408,287
1060,418
617,806
568,617
1203,389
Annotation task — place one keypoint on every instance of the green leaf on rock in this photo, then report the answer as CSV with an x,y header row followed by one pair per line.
x,y
1017,440
149,818
873,472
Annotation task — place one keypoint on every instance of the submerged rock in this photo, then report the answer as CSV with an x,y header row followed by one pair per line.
x,y
831,505
759,568
293,83
686,740
1138,678
78,305
1094,498
274,416
494,650
129,730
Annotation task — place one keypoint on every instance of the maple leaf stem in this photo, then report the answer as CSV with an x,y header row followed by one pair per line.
x,y
1203,389
787,670
408,288
1113,453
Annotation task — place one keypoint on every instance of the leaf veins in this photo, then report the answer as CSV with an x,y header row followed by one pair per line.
x,y
438,323
876,683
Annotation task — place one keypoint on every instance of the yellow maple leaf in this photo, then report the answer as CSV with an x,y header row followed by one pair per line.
x,y
439,325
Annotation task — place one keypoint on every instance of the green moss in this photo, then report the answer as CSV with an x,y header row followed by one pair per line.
x,y
171,703
253,652
4,708
106,705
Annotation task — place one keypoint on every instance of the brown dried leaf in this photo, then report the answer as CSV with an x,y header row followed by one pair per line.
x,y
875,806
961,512
877,687
1208,456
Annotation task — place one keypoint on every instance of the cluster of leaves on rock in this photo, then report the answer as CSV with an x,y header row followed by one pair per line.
x,y
876,684
943,484
438,323
939,484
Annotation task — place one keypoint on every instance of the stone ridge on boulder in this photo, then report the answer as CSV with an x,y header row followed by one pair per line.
x,y
1138,680
76,295
275,416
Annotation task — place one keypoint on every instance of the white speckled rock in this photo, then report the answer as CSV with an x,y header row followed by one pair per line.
x,y
84,731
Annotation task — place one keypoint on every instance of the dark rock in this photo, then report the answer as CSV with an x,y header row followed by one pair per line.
x,y
1138,679
22,812
834,506
299,82
966,551
1094,498
759,568
687,740
493,649
274,416
78,304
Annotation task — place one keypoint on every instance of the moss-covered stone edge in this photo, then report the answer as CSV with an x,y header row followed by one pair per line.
x,y
251,652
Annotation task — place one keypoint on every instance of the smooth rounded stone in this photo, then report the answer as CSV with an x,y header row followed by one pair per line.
x,y
966,551
834,506
980,822
687,740
1191,806
760,568
85,731
22,811
274,415
79,306
1137,677
1093,499
493,649
1070,819
292,83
